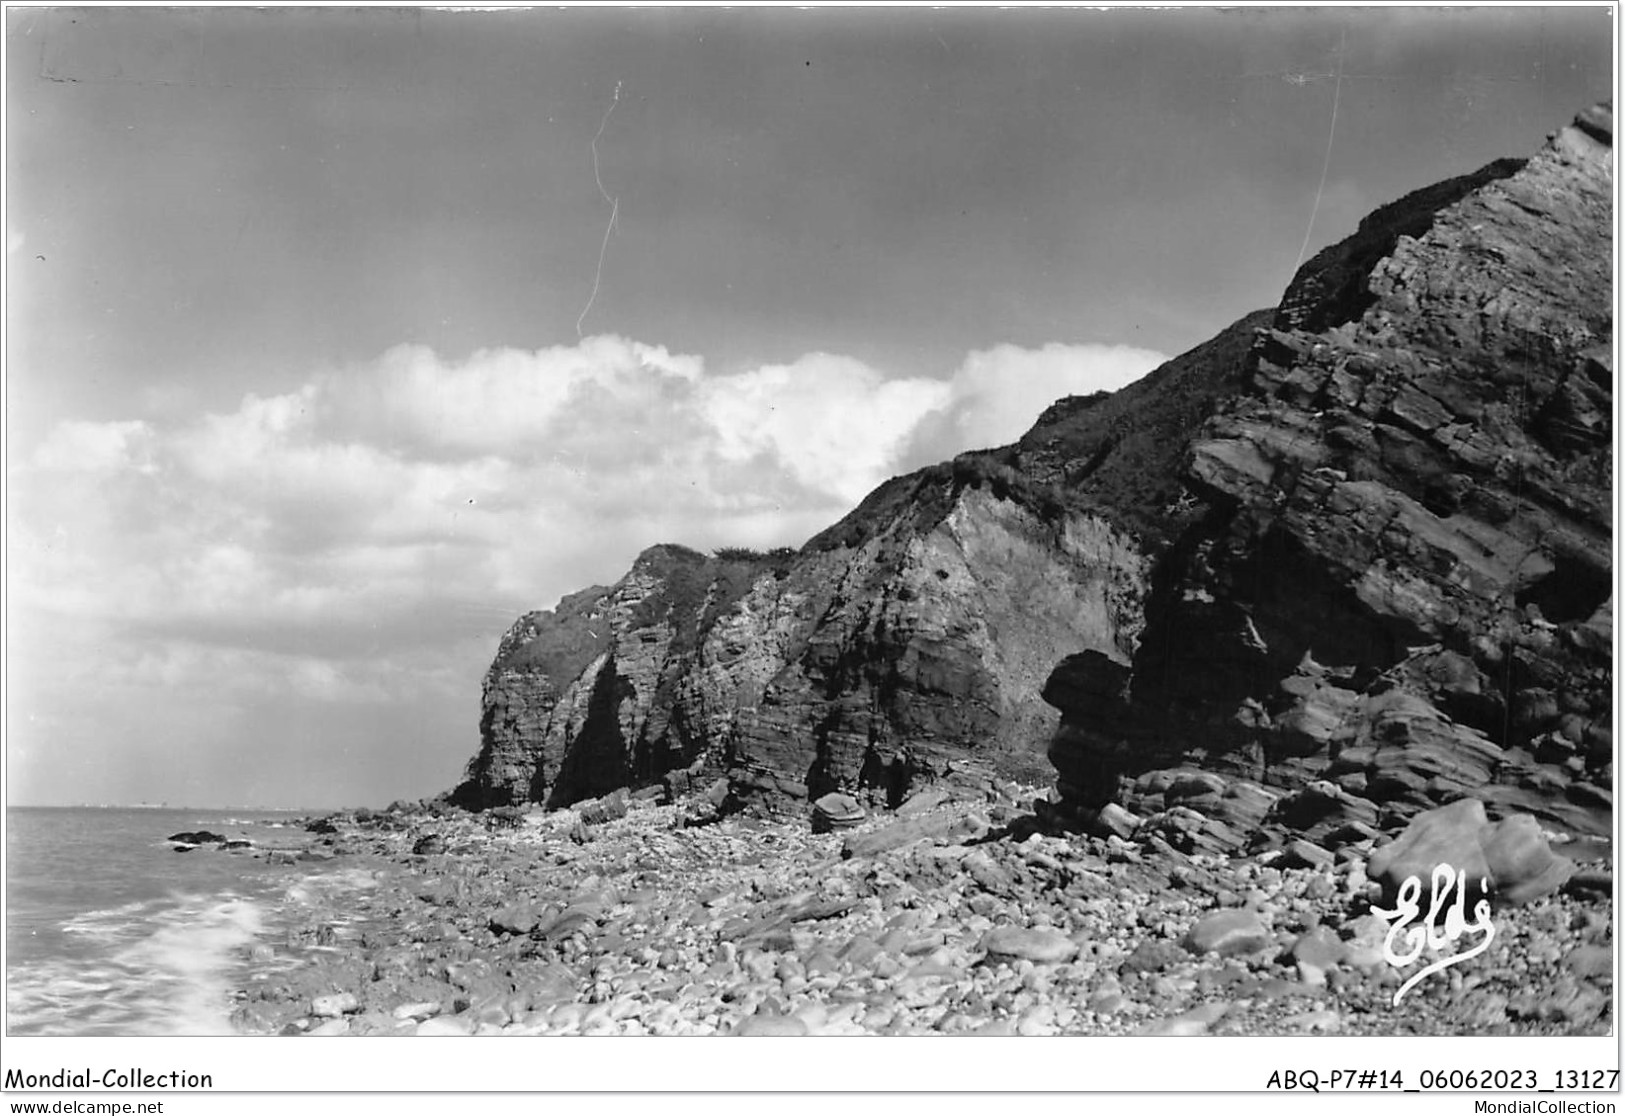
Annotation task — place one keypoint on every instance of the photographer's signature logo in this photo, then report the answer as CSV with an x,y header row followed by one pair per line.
x,y
1430,935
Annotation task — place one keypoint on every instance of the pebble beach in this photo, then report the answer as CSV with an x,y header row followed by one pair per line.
x,y
951,915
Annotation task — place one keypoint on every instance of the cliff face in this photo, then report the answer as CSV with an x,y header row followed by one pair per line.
x,y
1363,538
1400,578
922,643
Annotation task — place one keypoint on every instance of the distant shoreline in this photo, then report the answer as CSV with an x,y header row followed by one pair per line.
x,y
167,806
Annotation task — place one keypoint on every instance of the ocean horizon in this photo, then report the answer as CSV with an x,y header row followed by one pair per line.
x,y
213,809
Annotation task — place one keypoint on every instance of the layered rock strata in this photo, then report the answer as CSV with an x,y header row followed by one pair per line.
x,y
1399,577
1357,548
908,640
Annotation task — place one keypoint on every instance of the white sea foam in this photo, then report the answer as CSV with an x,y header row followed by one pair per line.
x,y
166,968
112,923
191,958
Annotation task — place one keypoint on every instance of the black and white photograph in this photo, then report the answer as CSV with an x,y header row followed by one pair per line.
x,y
885,523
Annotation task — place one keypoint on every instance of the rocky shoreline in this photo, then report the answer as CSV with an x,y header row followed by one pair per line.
x,y
957,913
1305,614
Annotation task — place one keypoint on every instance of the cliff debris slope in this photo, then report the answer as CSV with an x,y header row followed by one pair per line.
x,y
1345,563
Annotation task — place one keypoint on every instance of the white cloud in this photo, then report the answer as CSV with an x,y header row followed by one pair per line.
x,y
835,423
324,548
998,393
95,446
497,400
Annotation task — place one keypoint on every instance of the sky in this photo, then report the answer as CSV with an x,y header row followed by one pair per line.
x,y
337,339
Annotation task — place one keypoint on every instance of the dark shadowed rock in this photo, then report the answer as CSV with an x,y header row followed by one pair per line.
x,y
199,837
1306,854
608,808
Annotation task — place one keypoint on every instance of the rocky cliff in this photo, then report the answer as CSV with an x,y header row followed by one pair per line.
x,y
915,636
1355,550
1399,576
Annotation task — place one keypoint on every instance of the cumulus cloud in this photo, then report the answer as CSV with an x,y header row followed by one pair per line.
x,y
502,401
96,447
364,540
835,424
996,394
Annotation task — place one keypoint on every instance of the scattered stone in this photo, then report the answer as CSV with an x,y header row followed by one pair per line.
x,y
1229,933
1317,953
1036,1021
1197,1021
835,812
1325,1021
520,918
1306,854
605,809
1153,956
675,785
751,927
923,802
1037,945
1590,961
447,1025
1193,784
337,1003
760,1026
996,1028
1590,881
1112,819
1363,943
940,826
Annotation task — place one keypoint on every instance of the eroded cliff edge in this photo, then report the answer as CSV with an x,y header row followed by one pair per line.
x,y
1359,543
1401,578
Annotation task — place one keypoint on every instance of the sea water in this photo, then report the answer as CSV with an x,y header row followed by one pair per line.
x,y
109,931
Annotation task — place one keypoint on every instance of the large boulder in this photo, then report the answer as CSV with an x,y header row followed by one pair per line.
x,y
1229,933
836,811
1509,861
